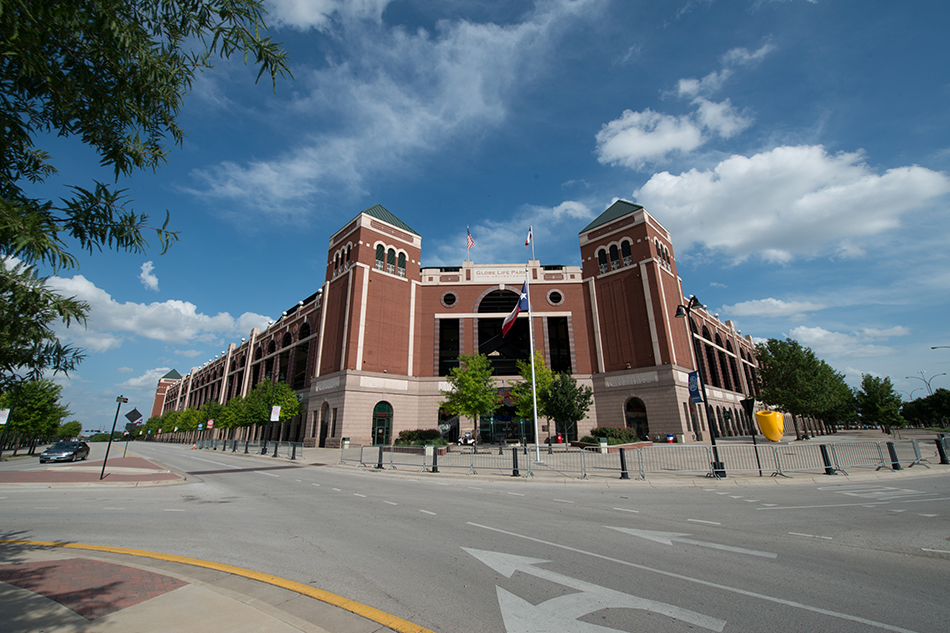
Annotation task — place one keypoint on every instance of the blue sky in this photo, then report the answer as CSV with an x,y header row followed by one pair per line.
x,y
797,150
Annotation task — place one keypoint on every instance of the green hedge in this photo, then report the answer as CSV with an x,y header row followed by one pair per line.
x,y
420,436
615,434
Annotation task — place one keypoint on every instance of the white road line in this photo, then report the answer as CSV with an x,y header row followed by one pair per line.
x,y
299,481
392,503
827,538
929,516
261,472
473,488
337,489
211,461
427,512
627,510
896,510
356,494
517,494
702,521
562,500
751,500
706,583
317,485
939,551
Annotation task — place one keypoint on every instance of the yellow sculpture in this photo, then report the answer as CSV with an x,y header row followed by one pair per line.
x,y
772,424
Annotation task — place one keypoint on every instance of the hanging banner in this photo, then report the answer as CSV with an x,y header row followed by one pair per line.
x,y
275,414
694,393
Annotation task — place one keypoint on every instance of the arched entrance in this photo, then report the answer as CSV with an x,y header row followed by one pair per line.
x,y
324,424
382,423
635,414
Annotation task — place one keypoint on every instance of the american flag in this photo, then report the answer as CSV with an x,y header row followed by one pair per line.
x,y
470,242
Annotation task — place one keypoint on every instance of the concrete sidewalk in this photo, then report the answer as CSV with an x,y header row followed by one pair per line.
x,y
92,589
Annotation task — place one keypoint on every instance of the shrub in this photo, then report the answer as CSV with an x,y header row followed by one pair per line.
x,y
615,434
418,436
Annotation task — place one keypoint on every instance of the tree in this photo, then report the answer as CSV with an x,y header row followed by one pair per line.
x,y
112,73
473,393
269,394
567,402
35,409
521,391
878,403
790,378
70,429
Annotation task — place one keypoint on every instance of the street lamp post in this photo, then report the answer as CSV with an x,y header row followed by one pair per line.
x,y
925,381
687,312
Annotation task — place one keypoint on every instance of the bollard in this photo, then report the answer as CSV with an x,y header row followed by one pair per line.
x,y
293,451
379,464
826,458
264,447
514,463
942,451
623,465
276,446
435,459
895,464
247,442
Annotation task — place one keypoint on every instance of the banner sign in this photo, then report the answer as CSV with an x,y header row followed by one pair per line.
x,y
694,393
275,414
4,414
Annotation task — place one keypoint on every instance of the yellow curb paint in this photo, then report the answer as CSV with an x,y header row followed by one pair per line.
x,y
370,613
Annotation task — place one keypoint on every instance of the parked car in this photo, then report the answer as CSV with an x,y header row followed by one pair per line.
x,y
65,452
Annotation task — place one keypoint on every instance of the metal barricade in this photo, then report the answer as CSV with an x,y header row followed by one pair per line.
x,y
907,452
559,460
799,457
665,459
458,457
487,459
748,457
351,453
857,454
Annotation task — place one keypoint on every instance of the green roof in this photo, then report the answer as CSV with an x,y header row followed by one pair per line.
x,y
615,211
172,375
379,212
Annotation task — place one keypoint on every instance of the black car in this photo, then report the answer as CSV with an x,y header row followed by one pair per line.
x,y
65,452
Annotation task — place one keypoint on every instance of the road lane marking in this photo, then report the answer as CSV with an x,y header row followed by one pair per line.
x,y
392,503
427,512
261,472
698,581
356,494
702,521
562,501
516,494
627,510
668,538
370,613
828,538
318,485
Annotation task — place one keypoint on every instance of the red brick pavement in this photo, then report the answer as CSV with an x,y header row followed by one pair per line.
x,y
91,588
62,473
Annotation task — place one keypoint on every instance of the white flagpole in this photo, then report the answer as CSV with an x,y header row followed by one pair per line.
x,y
531,233
534,387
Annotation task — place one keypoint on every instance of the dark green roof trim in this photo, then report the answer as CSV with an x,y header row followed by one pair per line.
x,y
615,211
172,375
379,212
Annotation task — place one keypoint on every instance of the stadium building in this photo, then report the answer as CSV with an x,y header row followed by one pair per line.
x,y
369,351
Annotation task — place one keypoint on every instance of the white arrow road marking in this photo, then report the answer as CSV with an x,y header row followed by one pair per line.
x,y
561,613
699,581
667,538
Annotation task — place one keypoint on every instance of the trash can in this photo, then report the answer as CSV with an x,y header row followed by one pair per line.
x,y
346,442
669,438
680,438
603,445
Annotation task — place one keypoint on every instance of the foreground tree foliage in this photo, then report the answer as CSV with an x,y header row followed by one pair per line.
x,y
112,74
933,410
521,391
567,403
473,393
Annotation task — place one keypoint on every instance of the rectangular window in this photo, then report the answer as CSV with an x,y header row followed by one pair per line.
x,y
448,345
559,342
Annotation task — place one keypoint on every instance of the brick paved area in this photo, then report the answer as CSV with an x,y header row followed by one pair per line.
x,y
91,588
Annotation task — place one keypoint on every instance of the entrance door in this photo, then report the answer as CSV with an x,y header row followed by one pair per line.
x,y
382,423
324,424
636,417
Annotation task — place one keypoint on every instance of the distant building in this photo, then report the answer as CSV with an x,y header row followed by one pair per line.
x,y
369,351
158,404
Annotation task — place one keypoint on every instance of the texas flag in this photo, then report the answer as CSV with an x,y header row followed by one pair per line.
x,y
522,305
527,241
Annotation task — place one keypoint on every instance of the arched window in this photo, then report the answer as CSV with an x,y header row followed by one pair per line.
x,y
347,256
614,258
602,260
625,253
401,265
635,413
380,257
336,264
391,261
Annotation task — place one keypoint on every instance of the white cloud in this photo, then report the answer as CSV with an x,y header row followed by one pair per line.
x,y
110,322
188,353
772,308
638,138
390,96
148,280
787,201
146,382
838,344
306,14
721,118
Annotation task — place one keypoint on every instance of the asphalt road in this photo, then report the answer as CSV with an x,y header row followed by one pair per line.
x,y
462,554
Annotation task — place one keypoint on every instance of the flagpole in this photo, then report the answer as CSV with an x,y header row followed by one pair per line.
x,y
531,235
534,388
